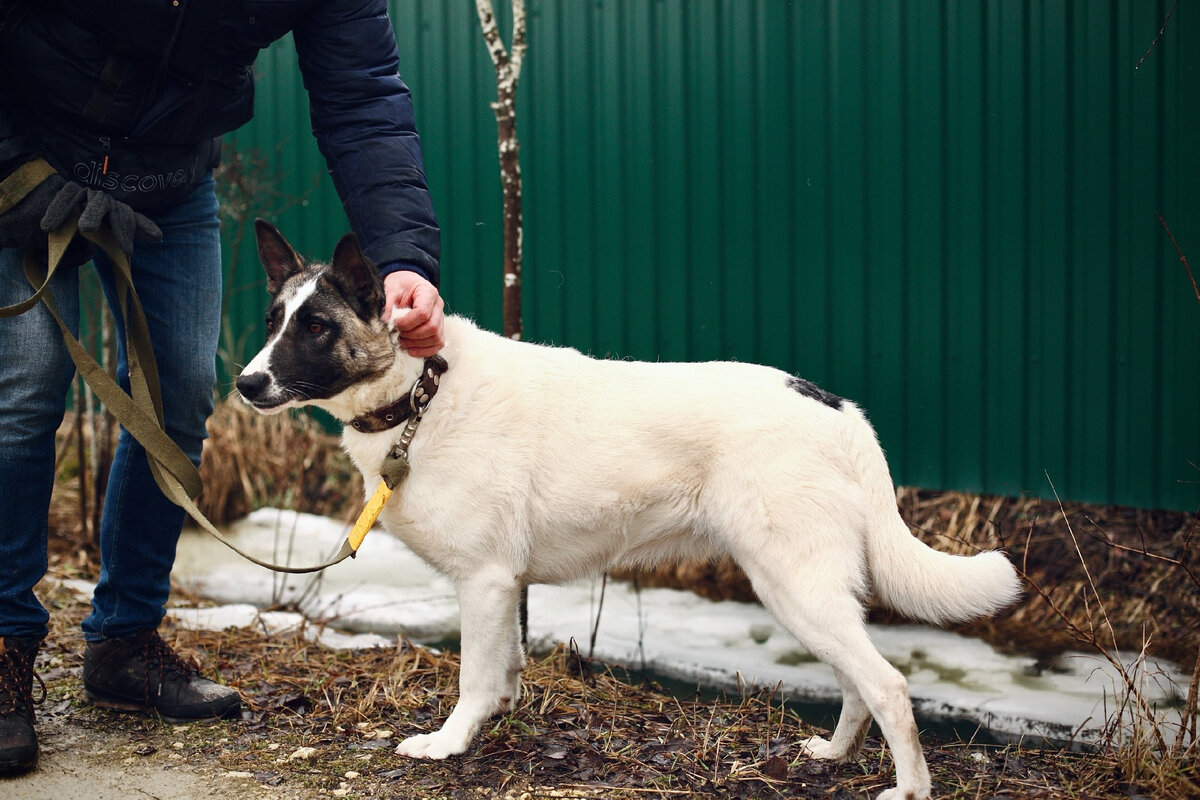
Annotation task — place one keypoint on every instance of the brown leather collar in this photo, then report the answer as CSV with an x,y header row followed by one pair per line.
x,y
389,416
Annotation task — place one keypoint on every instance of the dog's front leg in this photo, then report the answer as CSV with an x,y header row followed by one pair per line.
x,y
490,678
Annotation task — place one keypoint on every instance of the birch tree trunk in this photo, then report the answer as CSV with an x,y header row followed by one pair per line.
x,y
508,72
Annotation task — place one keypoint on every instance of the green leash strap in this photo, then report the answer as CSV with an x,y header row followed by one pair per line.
x,y
22,181
13,189
140,410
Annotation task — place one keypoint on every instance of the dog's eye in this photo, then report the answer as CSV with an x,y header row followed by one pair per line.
x,y
270,325
315,328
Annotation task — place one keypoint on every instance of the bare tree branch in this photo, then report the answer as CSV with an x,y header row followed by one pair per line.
x,y
1161,32
1182,257
508,73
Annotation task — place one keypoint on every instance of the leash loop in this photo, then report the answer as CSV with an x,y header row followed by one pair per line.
x,y
140,409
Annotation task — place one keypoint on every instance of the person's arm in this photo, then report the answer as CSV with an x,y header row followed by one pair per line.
x,y
362,117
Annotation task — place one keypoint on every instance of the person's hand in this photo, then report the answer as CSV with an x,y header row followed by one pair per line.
x,y
421,329
21,226
98,208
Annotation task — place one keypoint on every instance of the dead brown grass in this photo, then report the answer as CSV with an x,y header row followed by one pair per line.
x,y
250,461
318,722
1150,601
284,460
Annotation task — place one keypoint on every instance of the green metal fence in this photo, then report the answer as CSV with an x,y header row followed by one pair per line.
x,y
943,210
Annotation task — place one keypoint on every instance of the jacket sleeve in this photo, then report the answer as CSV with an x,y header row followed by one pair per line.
x,y
362,118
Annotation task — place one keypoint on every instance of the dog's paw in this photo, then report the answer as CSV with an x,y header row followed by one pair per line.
x,y
431,745
816,747
896,793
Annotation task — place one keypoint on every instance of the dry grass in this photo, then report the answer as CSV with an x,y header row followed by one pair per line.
x,y
1151,602
1150,746
1103,579
250,461
319,722
285,460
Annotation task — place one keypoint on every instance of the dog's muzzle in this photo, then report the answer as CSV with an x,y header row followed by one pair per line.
x,y
257,389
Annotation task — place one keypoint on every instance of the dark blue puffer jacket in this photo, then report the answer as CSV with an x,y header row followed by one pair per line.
x,y
130,96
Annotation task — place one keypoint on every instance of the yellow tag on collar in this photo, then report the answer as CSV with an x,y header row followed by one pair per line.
x,y
369,514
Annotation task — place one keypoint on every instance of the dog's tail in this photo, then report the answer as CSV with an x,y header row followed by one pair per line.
x,y
907,575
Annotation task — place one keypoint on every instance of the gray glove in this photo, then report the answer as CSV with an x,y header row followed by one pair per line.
x,y
20,226
47,207
125,223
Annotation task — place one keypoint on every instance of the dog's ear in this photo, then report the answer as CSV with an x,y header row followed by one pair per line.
x,y
360,275
278,257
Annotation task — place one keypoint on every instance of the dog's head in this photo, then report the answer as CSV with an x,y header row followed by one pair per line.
x,y
324,333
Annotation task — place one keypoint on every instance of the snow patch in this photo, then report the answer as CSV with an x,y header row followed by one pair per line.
x,y
388,591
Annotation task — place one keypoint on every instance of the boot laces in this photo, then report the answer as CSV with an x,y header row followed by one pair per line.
x,y
161,658
16,685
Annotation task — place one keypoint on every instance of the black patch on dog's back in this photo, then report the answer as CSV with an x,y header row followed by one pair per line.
x,y
811,390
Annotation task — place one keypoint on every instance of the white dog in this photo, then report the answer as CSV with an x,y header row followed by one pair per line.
x,y
536,464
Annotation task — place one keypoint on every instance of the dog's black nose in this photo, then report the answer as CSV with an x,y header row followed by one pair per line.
x,y
253,385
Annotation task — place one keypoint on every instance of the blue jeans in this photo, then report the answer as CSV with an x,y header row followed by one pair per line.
x,y
179,283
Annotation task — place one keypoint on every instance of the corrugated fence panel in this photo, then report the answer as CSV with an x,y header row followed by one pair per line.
x,y
944,210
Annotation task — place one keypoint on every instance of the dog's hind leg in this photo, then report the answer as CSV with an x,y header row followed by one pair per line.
x,y
829,624
491,663
851,728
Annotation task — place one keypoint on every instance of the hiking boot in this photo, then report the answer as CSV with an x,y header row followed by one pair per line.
x,y
18,742
143,673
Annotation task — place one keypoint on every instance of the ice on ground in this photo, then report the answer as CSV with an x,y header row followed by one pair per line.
x,y
385,589
270,623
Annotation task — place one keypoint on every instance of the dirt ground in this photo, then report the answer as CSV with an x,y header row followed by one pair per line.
x,y
86,759
319,723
